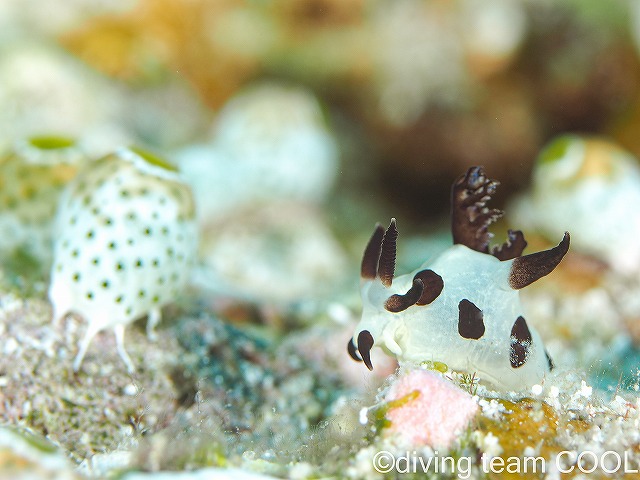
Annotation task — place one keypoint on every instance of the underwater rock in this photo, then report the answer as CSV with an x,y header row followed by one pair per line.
x,y
25,456
125,242
164,116
277,253
281,131
427,54
270,143
202,474
421,66
216,46
491,33
39,82
18,18
243,393
104,410
32,177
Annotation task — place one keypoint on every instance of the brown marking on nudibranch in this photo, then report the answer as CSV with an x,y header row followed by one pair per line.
x,y
365,343
526,270
433,285
470,217
470,320
520,343
351,348
397,303
387,263
426,287
512,248
369,267
549,360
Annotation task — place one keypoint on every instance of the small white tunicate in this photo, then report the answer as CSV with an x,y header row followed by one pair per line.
x,y
591,187
364,416
10,346
130,390
126,237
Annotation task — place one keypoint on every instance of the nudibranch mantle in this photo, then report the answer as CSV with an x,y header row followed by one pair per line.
x,y
463,308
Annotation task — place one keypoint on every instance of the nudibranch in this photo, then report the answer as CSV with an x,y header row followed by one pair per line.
x,y
126,237
462,309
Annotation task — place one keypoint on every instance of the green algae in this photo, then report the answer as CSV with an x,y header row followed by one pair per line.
x,y
50,142
435,365
557,149
153,159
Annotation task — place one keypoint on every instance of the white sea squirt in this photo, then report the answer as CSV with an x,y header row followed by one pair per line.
x,y
592,187
33,175
464,308
126,236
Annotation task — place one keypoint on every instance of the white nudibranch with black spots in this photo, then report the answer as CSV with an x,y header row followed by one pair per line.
x,y
462,309
125,239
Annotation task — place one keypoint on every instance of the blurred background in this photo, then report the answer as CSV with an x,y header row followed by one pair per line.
x,y
298,124
412,91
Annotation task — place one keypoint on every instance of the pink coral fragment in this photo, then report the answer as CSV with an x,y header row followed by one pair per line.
x,y
435,416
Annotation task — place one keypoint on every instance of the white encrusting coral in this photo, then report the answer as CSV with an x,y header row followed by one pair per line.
x,y
125,239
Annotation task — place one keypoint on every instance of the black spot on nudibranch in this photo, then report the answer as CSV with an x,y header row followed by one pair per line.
x,y
351,348
470,320
365,342
520,343
433,285
549,360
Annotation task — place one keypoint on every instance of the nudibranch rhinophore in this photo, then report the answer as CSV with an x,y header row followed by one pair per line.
x,y
462,309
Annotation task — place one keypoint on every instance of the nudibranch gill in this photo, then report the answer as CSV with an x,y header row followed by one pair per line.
x,y
462,309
